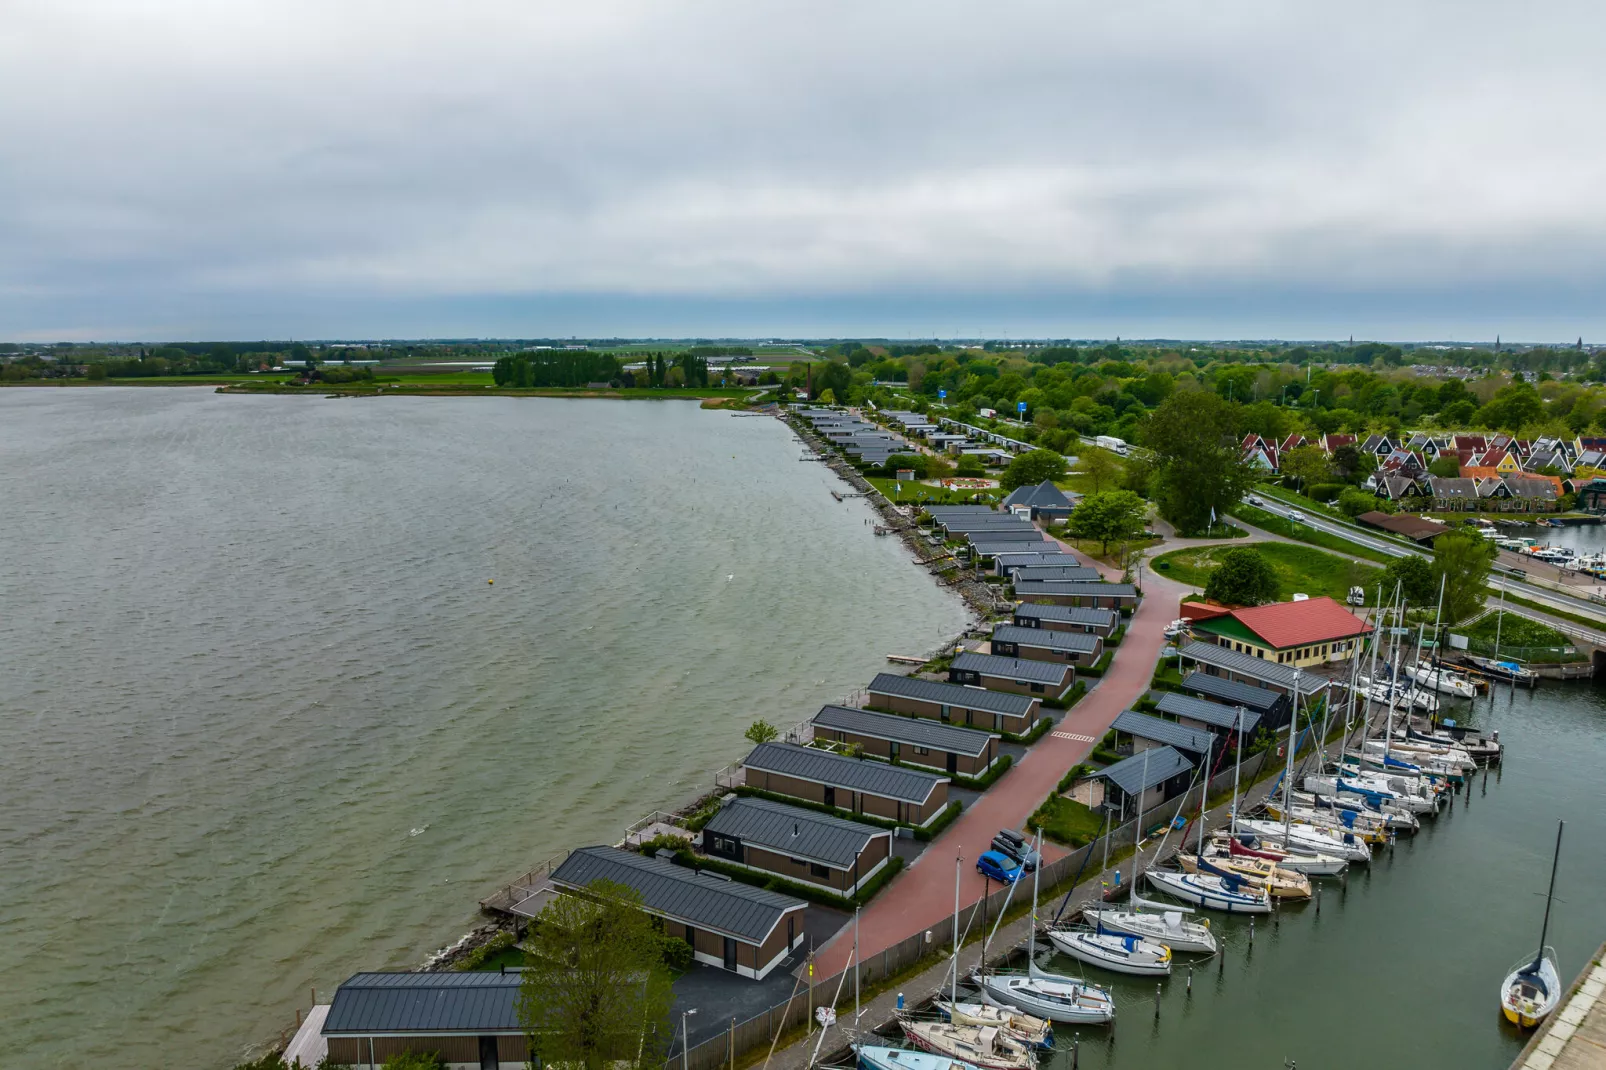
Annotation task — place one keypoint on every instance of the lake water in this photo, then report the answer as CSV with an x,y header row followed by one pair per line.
x,y
1402,967
264,722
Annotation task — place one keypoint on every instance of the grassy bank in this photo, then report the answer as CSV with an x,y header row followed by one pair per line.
x,y
1276,525
1299,569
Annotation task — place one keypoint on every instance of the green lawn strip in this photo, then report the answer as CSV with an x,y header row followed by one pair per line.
x,y
1276,525
1066,822
1515,630
1299,569
1559,614
921,492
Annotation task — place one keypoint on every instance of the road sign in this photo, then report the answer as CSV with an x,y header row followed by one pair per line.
x,y
942,394
1020,407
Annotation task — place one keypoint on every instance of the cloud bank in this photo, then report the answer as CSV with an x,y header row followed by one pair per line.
x,y
174,169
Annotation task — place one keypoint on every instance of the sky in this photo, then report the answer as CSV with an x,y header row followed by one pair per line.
x,y
175,170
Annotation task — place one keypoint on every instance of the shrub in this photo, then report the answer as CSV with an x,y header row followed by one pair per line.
x,y
942,821
476,958
677,953
1325,492
1353,501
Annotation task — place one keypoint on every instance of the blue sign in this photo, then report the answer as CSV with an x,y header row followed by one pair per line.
x,y
1020,407
942,393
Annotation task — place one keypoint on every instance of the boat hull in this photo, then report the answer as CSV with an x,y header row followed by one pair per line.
x,y
1531,991
1194,889
1094,952
1066,1002
1193,937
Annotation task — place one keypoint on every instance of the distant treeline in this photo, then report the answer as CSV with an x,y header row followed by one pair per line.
x,y
560,368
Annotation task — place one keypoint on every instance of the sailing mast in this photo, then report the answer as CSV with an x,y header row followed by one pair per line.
x,y
1288,773
1499,619
1237,763
1544,929
1204,793
1137,832
953,991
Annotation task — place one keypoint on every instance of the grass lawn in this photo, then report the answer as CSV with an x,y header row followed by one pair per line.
x,y
1066,821
1289,530
1302,569
921,492
508,956
1515,631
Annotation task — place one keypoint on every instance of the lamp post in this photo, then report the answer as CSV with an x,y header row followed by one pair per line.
x,y
685,1040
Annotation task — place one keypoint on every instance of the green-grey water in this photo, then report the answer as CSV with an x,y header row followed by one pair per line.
x,y
1402,966
264,721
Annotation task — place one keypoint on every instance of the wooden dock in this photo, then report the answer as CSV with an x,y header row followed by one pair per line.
x,y
905,659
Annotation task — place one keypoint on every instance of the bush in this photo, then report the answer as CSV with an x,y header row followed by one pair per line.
x,y
1243,578
1099,667
1001,766
1075,773
942,821
1353,501
677,953
1072,697
476,958
1325,492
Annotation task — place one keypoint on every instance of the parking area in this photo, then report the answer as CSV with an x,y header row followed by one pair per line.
x,y
718,995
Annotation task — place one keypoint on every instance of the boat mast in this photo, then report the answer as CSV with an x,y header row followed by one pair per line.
x,y
1288,773
1393,667
1204,793
1137,833
1031,935
953,991
1500,618
1544,930
1371,679
1237,763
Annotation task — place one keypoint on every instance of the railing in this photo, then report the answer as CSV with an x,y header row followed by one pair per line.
x,y
733,775
522,887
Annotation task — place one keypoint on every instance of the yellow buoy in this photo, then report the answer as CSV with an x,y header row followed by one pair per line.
x,y
490,581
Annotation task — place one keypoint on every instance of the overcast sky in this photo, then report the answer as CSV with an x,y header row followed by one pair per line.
x,y
174,170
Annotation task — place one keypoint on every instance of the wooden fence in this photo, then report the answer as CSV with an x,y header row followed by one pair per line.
x,y
937,942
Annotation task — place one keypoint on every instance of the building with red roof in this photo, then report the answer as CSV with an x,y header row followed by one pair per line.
x,y
1307,632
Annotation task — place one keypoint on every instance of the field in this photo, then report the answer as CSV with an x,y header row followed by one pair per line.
x,y
1299,569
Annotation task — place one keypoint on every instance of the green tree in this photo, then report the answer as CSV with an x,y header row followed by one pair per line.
x,y
596,994
1033,467
1415,577
1446,467
1462,561
1308,464
761,732
970,465
95,372
1198,468
1109,517
1100,467
1353,501
827,397
833,376
1242,578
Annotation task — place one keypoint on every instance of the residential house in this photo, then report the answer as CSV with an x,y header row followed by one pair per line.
x,y
1588,444
1314,631
470,1018
1005,564
910,740
801,845
1258,452
1241,706
984,547
1592,496
1016,675
1045,501
1398,487
973,707
1329,443
1074,573
1136,732
1534,493
1453,493
744,929
1122,596
1379,446
1046,644
1145,780
1100,622
1555,460
891,792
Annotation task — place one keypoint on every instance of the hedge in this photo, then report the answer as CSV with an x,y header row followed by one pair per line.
x,y
1099,667
1115,637
1000,766
797,889
1071,699
942,821
1031,735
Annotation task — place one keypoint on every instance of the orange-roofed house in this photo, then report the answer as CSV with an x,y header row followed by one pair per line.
x,y
1308,632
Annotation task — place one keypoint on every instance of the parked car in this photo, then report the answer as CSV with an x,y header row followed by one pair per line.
x,y
1010,844
999,867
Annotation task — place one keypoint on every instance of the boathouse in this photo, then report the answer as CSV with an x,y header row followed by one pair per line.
x,y
798,844
1100,622
974,707
858,785
746,930
1045,644
1313,631
910,740
1017,675
469,1017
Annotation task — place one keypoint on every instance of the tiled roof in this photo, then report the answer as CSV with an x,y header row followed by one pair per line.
x,y
1290,624
1145,769
1213,713
1099,618
1047,638
467,1001
1038,672
855,774
967,698
794,831
675,892
915,731
1160,730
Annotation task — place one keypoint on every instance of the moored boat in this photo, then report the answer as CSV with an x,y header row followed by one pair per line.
x,y
885,1057
1163,923
1532,988
1246,845
1230,894
1119,952
1256,872
987,1047
1038,1032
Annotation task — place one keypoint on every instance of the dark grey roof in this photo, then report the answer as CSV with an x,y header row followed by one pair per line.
x,y
940,511
1145,769
1453,486
996,532
1160,730
794,831
675,892
1069,614
970,698
1025,558
1038,672
1248,665
1069,573
856,774
1024,588
1076,642
982,546
916,731
1214,713
1044,495
469,1001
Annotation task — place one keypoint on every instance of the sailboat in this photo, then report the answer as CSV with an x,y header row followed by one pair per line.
x,y
1210,887
1258,872
984,1046
1246,845
1338,820
1533,988
882,1057
1120,952
1442,679
1046,995
1038,1032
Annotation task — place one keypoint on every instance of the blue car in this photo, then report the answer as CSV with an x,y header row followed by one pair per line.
x,y
995,865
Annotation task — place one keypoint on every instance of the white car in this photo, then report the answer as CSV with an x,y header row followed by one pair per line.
x,y
1255,499
1176,628
1296,516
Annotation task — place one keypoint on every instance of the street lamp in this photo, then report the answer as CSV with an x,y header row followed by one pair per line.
x,y
685,1043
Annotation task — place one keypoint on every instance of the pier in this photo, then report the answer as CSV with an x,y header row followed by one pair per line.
x,y
1574,1037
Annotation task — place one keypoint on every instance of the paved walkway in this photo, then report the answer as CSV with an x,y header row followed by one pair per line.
x,y
925,894
1575,1036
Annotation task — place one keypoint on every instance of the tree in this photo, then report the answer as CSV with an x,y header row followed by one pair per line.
x,y
1308,464
1415,577
1109,517
596,993
1353,501
1349,463
95,372
1242,578
1100,467
970,465
1447,466
761,732
1033,467
1462,561
1198,469
827,397
833,376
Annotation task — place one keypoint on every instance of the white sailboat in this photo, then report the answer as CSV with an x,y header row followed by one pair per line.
x,y
1038,1032
1444,680
1308,839
984,1046
1119,952
1211,888
1046,995
883,1057
1378,792
1532,988
1311,864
